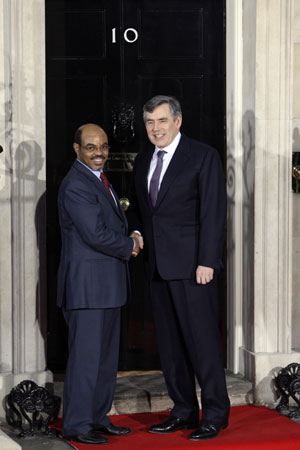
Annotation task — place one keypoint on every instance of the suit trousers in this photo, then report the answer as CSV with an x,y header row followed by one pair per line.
x,y
94,338
187,320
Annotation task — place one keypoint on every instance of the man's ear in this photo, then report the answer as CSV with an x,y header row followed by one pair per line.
x,y
76,148
178,121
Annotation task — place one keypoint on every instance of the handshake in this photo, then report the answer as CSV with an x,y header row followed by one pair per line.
x,y
138,243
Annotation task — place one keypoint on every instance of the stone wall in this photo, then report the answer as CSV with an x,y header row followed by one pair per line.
x,y
23,306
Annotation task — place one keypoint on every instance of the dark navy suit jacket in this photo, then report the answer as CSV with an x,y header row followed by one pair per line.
x,y
187,226
93,270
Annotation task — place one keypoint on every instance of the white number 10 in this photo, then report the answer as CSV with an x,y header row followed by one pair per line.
x,y
125,35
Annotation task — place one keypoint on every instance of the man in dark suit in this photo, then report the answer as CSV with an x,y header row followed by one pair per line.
x,y
178,202
92,286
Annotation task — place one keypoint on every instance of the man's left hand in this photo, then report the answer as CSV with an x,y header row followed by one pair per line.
x,y
204,274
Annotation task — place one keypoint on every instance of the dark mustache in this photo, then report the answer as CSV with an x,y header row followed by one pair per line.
x,y
97,157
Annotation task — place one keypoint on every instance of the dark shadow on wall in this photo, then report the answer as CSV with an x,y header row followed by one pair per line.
x,y
28,162
248,142
246,165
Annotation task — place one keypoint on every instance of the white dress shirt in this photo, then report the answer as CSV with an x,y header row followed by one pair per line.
x,y
170,150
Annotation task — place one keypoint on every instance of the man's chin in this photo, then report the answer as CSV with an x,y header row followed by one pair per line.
x,y
97,166
160,143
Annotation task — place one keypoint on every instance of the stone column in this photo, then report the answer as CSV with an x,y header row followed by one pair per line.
x,y
265,192
234,61
22,194
296,196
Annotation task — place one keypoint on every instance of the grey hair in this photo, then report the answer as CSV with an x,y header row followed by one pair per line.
x,y
158,100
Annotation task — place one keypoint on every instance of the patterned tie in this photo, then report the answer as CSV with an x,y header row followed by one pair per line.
x,y
105,182
153,190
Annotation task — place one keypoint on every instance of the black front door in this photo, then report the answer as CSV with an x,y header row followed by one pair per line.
x,y
105,59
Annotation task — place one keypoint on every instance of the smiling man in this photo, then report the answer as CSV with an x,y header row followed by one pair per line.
x,y
91,146
161,126
178,202
92,287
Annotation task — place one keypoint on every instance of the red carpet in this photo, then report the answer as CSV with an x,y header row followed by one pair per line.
x,y
250,427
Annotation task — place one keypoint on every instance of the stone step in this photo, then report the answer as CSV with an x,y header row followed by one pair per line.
x,y
146,392
6,443
135,392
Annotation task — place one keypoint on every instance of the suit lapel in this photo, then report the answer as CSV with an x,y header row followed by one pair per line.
x,y
118,207
176,165
102,188
144,175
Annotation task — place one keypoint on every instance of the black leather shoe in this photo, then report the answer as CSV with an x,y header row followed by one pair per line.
x,y
207,430
113,431
91,437
172,424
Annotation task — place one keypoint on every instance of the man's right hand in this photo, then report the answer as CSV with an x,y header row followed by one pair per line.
x,y
139,243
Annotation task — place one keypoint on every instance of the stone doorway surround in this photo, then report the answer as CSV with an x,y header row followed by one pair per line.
x,y
260,213
260,93
22,192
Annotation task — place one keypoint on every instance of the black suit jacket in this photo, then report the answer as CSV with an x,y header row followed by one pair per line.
x,y
186,227
95,246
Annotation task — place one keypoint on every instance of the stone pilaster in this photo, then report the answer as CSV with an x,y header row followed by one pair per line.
x,y
5,195
22,194
234,66
296,196
267,197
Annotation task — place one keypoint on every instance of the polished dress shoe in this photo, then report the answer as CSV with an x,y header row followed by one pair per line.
x,y
91,437
172,424
207,430
112,430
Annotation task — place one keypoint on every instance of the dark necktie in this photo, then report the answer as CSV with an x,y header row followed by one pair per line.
x,y
105,182
153,189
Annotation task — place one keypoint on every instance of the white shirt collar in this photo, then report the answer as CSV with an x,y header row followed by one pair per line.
x,y
97,173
